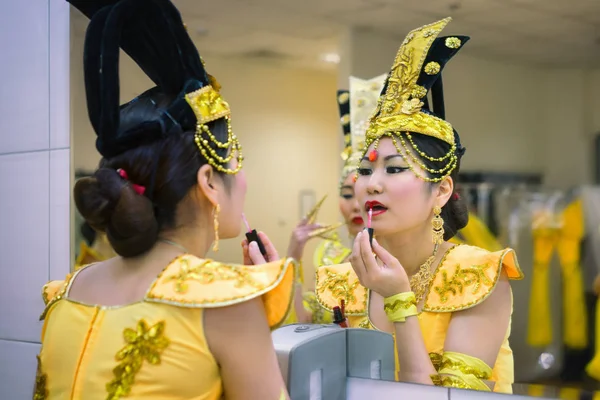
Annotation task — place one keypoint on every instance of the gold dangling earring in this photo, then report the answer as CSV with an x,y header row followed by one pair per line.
x,y
216,212
437,223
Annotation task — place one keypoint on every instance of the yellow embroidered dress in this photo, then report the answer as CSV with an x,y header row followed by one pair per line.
x,y
153,349
465,277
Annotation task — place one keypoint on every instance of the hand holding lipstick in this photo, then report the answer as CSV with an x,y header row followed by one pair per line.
x,y
384,274
252,254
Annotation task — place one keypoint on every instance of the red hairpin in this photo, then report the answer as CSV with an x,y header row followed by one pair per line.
x,y
139,189
455,196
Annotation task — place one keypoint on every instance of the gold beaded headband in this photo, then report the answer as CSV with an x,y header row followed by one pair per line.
x,y
208,105
403,109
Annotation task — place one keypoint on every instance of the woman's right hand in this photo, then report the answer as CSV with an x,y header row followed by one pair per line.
x,y
300,235
252,254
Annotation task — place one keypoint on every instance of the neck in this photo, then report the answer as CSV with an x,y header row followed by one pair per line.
x,y
411,248
195,241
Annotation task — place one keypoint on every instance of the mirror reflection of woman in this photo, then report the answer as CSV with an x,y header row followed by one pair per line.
x,y
159,321
362,98
449,307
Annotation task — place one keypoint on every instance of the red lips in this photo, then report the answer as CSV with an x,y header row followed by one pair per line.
x,y
376,206
358,221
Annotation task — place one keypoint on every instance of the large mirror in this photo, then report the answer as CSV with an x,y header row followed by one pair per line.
x,y
523,95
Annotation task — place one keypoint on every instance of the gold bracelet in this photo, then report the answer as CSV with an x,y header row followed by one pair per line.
x,y
299,272
400,306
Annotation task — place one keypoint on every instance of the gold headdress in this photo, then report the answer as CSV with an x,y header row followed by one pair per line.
x,y
208,105
356,106
403,106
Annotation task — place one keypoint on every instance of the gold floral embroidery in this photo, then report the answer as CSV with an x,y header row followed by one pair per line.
x,y
143,343
208,272
432,68
453,42
340,286
463,278
41,392
366,324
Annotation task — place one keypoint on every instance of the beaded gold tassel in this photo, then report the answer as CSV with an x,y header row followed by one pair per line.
x,y
211,155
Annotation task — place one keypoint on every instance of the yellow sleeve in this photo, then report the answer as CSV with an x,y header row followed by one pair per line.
x,y
462,371
467,275
195,282
337,282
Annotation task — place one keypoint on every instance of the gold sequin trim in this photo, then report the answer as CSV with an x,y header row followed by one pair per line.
x,y
449,381
143,344
58,296
453,43
41,391
432,68
464,368
404,304
436,360
188,301
208,272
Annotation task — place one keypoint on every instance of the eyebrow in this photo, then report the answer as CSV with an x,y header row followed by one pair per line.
x,y
386,158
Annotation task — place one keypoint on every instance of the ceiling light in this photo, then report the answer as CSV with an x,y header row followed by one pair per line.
x,y
332,58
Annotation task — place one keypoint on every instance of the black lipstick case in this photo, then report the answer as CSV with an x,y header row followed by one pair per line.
x,y
252,236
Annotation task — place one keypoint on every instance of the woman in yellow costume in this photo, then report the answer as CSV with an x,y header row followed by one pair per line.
x,y
160,321
95,247
448,306
362,99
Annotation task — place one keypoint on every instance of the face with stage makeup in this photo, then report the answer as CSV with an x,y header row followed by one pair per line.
x,y
389,181
349,206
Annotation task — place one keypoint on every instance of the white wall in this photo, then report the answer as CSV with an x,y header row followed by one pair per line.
x,y
34,173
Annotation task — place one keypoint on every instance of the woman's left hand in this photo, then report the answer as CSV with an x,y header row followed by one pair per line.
x,y
383,274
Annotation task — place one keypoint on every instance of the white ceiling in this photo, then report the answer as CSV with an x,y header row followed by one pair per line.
x,y
542,32
552,33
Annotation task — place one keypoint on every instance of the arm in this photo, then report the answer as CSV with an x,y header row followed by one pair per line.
x,y
240,339
300,236
477,332
474,336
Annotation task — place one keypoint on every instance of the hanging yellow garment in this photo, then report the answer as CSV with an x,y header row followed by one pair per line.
x,y
593,368
566,240
476,233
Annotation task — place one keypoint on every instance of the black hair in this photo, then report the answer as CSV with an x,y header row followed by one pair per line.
x,y
455,212
167,168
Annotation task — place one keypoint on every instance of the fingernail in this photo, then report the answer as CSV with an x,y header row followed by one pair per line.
x,y
254,245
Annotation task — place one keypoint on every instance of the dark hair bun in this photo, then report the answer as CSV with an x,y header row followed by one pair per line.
x,y
108,203
456,216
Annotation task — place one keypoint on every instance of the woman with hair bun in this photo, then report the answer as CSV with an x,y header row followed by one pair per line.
x,y
448,306
160,321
